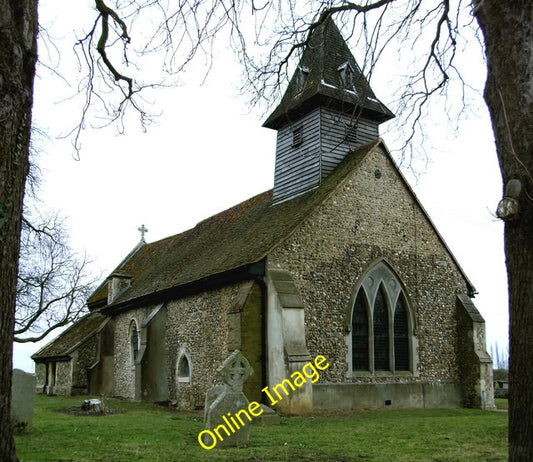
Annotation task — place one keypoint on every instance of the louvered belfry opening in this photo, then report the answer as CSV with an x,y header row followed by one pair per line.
x,y
328,109
297,137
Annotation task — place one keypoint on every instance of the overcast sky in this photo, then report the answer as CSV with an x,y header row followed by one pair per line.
x,y
208,152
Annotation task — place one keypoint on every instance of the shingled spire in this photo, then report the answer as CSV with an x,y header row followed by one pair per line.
x,y
327,109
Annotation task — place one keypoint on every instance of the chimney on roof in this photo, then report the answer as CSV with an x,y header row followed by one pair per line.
x,y
116,284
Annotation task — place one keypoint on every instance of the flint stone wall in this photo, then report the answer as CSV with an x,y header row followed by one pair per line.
x,y
124,377
40,374
199,326
58,384
373,215
82,358
63,383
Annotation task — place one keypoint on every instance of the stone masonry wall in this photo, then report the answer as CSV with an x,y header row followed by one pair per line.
x,y
86,356
40,373
63,383
198,325
476,365
124,367
372,215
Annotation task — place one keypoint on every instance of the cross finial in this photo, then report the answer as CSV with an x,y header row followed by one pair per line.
x,y
143,230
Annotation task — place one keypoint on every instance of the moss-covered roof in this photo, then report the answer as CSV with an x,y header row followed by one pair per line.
x,y
239,236
62,346
326,54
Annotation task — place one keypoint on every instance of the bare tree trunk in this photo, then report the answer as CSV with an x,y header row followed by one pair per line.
x,y
508,30
18,38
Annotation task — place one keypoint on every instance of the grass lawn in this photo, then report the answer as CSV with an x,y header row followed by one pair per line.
x,y
140,431
501,403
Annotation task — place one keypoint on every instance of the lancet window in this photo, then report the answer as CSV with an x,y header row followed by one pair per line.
x,y
134,340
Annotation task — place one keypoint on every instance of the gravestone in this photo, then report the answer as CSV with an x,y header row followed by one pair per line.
x,y
224,401
22,399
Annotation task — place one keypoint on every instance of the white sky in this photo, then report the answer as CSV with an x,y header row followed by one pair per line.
x,y
208,152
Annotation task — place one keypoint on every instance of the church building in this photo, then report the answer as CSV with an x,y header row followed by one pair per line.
x,y
339,259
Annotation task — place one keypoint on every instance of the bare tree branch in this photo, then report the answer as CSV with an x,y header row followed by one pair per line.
x,y
105,13
53,282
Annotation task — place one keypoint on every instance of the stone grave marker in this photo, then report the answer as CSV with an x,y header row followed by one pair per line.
x,y
22,399
224,401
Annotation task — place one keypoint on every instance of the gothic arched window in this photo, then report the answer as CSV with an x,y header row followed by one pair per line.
x,y
380,322
381,327
401,337
360,334
183,368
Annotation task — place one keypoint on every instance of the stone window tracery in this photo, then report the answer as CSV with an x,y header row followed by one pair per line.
x,y
380,338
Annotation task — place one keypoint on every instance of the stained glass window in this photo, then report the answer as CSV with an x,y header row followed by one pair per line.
x,y
381,333
401,337
360,353
381,326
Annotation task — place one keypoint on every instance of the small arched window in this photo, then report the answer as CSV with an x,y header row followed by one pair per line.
x,y
134,339
183,371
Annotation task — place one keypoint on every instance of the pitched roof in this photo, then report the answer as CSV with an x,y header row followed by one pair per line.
x,y
99,297
63,345
322,59
239,236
